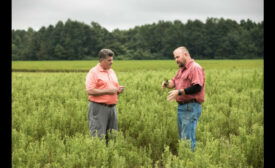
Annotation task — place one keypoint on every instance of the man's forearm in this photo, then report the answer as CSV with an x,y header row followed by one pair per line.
x,y
99,92
193,89
170,84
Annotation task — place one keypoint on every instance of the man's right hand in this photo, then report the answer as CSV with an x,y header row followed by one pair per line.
x,y
164,84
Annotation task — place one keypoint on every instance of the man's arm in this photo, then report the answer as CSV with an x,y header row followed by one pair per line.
x,y
172,95
169,84
99,92
192,89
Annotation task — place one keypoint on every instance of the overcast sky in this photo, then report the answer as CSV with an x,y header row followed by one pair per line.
x,y
125,14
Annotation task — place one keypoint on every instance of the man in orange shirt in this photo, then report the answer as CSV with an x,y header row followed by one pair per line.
x,y
102,88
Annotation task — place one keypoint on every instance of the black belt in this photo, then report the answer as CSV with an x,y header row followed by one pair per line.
x,y
185,102
108,105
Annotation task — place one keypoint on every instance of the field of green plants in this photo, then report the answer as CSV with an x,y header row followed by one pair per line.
x,y
50,120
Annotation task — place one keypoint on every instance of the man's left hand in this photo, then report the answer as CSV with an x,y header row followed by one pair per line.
x,y
172,95
121,89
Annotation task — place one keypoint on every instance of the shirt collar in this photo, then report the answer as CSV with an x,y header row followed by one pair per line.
x,y
188,65
100,68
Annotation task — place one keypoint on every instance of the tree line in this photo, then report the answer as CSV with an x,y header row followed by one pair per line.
x,y
217,38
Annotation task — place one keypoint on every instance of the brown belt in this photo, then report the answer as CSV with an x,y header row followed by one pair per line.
x,y
185,102
108,105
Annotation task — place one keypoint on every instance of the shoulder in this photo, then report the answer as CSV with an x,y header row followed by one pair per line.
x,y
195,65
92,72
94,69
196,69
112,71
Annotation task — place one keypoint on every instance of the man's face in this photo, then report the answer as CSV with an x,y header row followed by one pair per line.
x,y
107,62
179,58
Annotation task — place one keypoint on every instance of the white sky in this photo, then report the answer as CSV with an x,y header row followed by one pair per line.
x,y
125,14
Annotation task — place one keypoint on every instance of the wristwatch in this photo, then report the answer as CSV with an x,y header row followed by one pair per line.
x,y
179,92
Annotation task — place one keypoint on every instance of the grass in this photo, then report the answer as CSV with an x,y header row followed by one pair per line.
x,y
126,66
50,126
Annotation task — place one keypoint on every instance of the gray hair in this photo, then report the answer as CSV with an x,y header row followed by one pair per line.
x,y
182,49
103,53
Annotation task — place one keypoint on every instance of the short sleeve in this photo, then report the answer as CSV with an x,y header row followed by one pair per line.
x,y
90,80
197,75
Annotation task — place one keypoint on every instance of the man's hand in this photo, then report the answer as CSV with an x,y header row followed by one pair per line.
x,y
164,84
172,95
121,89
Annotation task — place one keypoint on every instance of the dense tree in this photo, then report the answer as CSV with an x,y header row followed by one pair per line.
x,y
59,52
217,38
194,38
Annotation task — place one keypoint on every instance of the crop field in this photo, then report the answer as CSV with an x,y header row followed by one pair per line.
x,y
50,117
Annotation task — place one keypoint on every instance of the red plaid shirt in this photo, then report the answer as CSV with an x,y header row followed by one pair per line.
x,y
187,76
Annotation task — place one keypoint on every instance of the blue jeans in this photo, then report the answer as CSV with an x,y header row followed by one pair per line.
x,y
188,116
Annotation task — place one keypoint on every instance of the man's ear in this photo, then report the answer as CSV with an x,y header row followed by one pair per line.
x,y
185,55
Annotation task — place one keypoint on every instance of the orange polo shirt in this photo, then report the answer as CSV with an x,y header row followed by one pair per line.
x,y
98,78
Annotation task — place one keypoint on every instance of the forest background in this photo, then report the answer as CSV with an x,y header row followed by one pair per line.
x,y
216,38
